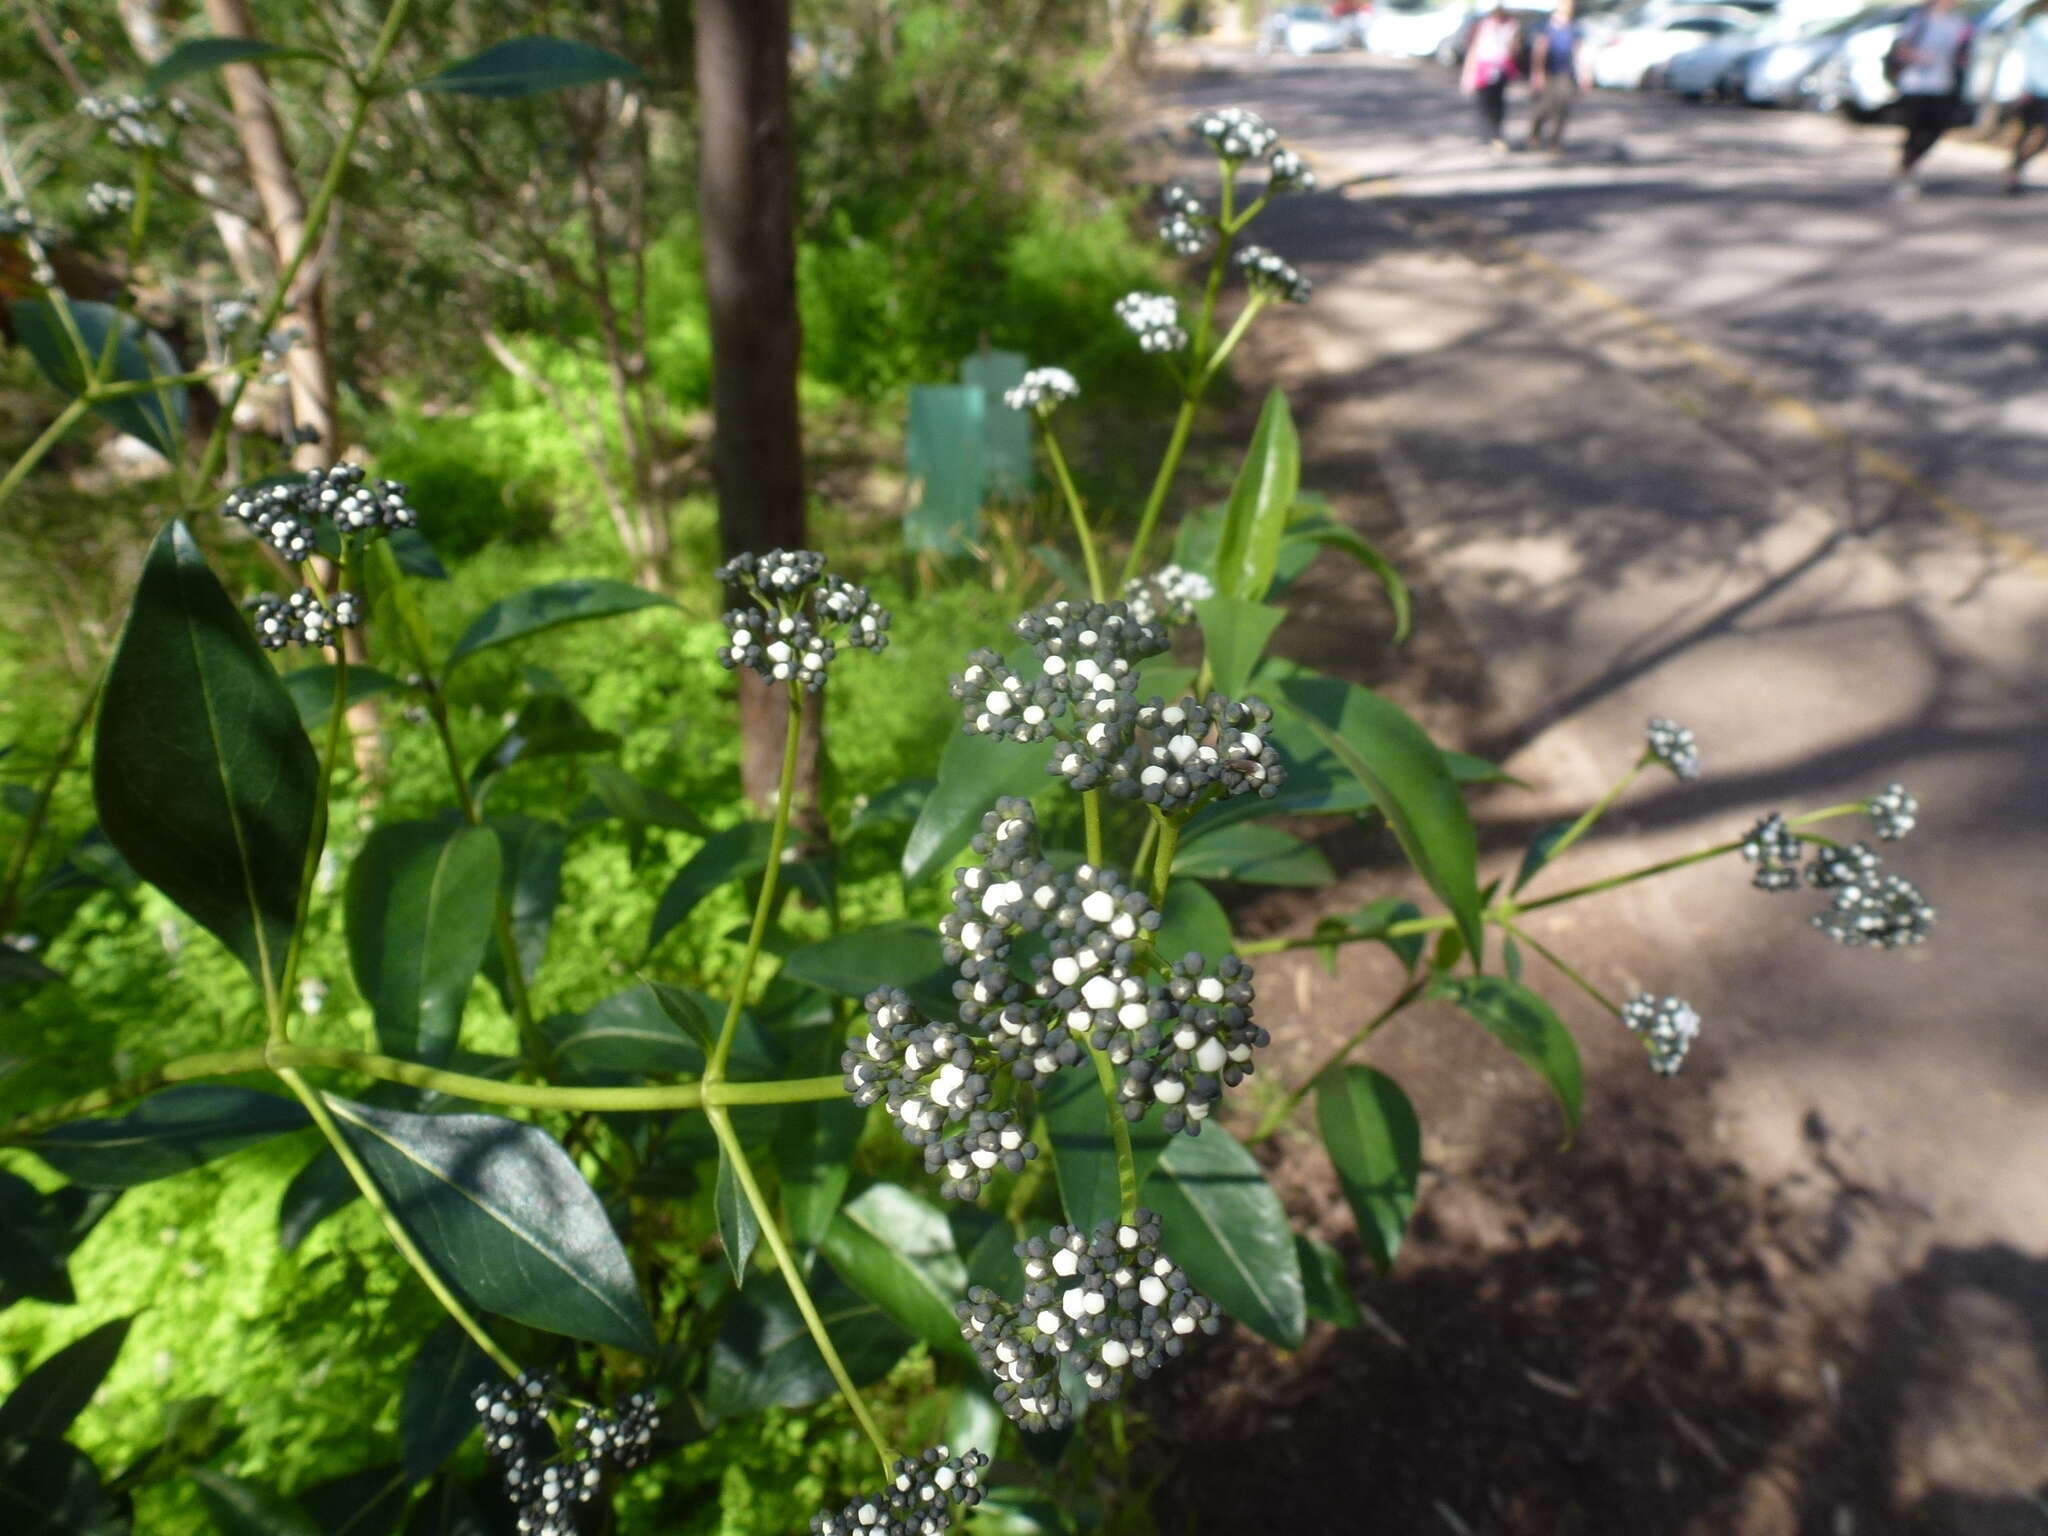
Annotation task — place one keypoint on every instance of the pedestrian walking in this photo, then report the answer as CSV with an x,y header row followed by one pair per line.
x,y
2030,38
1554,76
1928,63
1490,63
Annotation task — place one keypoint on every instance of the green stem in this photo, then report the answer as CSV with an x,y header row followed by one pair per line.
x,y
1557,963
1091,817
792,1274
1168,466
1144,849
1629,877
1074,509
1231,338
400,1238
1280,1113
39,812
1119,1135
49,438
1598,808
1162,860
1401,930
764,906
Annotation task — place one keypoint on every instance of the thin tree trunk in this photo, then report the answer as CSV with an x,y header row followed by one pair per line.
x,y
746,199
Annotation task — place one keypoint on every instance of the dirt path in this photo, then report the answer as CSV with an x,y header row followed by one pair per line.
x,y
1801,1288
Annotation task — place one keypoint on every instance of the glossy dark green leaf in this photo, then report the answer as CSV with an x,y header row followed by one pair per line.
x,y
853,964
629,1032
1083,1151
415,556
529,66
239,1507
1409,781
422,898
1537,854
1254,854
897,806
530,885
641,805
1235,631
167,1133
453,1505
49,1488
1325,1284
437,1408
764,1356
312,690
156,418
814,1149
401,627
315,1193
734,854
38,1233
549,607
44,1403
739,1229
895,1248
548,725
1321,530
1372,922
1375,1144
502,1212
1526,1025
1194,920
369,1502
204,778
1261,502
23,970
197,55
1221,1222
974,773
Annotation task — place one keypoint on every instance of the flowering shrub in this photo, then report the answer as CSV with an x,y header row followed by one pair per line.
x,y
1059,1052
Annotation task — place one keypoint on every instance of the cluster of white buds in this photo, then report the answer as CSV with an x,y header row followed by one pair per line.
x,y
547,1486
1774,849
1198,749
1041,389
1154,318
1836,866
803,615
136,122
284,512
1236,134
1286,173
1195,1040
1868,908
1188,225
1168,595
1109,1299
919,1501
1672,745
1886,913
1268,274
1893,812
302,619
1666,1026
103,199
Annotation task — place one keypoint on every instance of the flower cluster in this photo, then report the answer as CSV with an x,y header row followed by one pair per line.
x,y
1088,655
1041,389
1887,913
1893,812
1774,849
1168,595
1869,907
1197,747
1666,1026
302,619
547,1485
1236,134
1110,1299
1268,274
803,615
1672,745
136,122
1286,173
1154,318
103,199
919,1500
1187,227
284,512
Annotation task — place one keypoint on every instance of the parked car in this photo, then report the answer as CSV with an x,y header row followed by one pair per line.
x,y
1412,29
1623,61
1993,84
1714,69
1305,29
1778,74
1852,78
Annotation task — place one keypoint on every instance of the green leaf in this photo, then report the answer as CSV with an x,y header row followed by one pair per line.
x,y
157,418
368,1502
549,607
642,805
197,55
238,1507
1255,854
18,969
501,1211
896,1249
422,898
764,1356
49,1397
897,806
1235,631
437,1409
530,66
1325,1284
1511,957
734,854
312,690
402,630
1221,1222
1538,853
1372,921
49,1488
1322,530
1408,779
814,1149
905,955
738,1227
167,1133
1261,502
1375,1144
1467,769
548,725
974,773
204,779
1083,1153
1526,1025
38,1233
530,885
1194,920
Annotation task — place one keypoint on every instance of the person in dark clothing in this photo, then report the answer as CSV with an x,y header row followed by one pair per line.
x,y
1928,64
1554,76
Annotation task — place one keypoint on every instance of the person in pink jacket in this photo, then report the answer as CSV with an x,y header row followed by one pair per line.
x,y
1490,63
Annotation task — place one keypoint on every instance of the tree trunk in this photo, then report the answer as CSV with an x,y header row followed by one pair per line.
x,y
746,199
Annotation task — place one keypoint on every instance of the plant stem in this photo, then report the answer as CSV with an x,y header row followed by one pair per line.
x,y
1074,509
1594,887
1162,860
792,1274
1569,973
400,1238
1091,816
48,439
1168,466
1279,1115
1231,338
1598,808
323,801
1119,1135
39,813
785,792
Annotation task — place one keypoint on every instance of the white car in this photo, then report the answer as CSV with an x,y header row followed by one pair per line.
x,y
1714,69
1303,30
1995,64
1778,74
1622,62
1413,29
